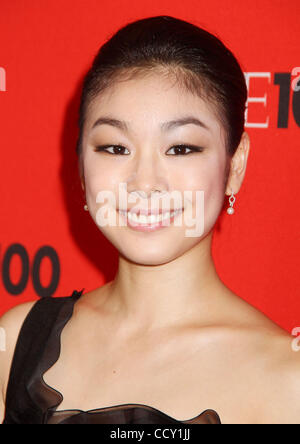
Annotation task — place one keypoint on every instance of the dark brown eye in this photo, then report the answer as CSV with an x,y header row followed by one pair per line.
x,y
181,149
116,149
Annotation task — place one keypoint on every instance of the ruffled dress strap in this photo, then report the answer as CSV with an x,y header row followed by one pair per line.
x,y
28,397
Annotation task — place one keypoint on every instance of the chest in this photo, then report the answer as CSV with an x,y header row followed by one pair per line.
x,y
181,378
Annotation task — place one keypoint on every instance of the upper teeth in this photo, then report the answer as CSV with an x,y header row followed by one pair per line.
x,y
151,219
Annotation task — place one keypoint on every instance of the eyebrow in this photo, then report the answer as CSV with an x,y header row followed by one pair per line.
x,y
165,126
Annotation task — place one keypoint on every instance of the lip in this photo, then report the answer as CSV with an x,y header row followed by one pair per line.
x,y
145,212
149,227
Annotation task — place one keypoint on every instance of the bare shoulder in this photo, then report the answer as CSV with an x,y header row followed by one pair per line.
x,y
269,360
282,382
274,360
12,320
10,325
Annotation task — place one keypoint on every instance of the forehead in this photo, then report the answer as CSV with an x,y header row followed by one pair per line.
x,y
147,101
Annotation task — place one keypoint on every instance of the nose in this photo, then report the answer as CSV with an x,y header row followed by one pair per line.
x,y
147,176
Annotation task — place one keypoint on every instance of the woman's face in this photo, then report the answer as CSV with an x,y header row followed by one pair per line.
x,y
148,160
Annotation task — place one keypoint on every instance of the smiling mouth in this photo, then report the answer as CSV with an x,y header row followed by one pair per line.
x,y
151,219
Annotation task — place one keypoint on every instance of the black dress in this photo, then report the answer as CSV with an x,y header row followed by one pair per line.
x,y
29,400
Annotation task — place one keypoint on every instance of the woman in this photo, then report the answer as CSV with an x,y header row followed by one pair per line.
x,y
162,111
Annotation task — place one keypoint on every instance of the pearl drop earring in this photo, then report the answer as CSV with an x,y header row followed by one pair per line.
x,y
230,210
86,208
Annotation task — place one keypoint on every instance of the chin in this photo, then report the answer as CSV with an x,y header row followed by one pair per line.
x,y
154,256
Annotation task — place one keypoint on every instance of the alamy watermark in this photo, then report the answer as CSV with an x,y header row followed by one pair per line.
x,y
296,81
2,79
176,200
296,341
2,339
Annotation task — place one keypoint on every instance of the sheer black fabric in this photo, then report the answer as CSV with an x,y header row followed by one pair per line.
x,y
29,400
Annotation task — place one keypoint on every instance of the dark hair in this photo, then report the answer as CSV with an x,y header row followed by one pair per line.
x,y
201,63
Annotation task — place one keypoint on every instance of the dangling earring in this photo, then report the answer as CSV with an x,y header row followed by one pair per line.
x,y
230,210
86,208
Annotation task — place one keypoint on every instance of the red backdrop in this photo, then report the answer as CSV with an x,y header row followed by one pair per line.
x,y
49,245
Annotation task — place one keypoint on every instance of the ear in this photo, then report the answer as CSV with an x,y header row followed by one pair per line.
x,y
238,165
81,173
82,182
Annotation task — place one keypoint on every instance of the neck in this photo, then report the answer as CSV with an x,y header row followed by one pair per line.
x,y
150,297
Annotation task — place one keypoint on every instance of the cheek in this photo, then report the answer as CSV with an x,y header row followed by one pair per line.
x,y
207,176
98,178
